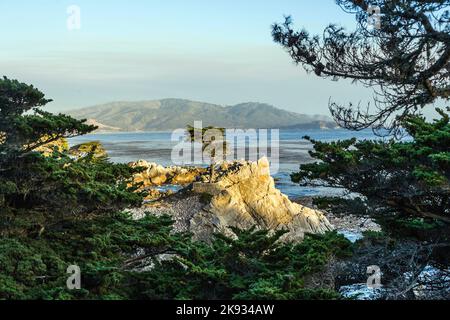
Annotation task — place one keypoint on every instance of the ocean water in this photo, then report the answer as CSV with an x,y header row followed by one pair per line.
x,y
157,147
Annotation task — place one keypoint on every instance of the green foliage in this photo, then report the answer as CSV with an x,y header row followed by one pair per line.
x,y
420,223
213,142
35,268
253,266
93,147
60,209
356,206
23,127
60,145
53,183
374,235
411,177
59,184
211,139
406,70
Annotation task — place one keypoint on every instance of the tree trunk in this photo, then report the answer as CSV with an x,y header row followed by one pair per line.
x,y
212,171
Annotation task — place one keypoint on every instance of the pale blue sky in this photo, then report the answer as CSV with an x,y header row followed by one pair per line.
x,y
217,51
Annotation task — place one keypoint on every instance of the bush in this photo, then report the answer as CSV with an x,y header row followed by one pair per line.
x,y
113,251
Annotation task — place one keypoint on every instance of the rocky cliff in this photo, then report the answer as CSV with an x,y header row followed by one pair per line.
x,y
243,195
157,175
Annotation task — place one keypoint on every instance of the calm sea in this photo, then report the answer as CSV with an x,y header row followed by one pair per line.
x,y
157,147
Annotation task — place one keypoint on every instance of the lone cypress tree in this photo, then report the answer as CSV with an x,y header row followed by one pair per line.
x,y
212,140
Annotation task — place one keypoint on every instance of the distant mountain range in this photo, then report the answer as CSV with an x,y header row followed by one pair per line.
x,y
170,114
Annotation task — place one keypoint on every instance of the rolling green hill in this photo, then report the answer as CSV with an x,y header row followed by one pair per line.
x,y
170,114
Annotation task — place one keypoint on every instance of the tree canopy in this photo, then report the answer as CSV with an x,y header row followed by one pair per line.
x,y
413,177
24,126
405,58
61,207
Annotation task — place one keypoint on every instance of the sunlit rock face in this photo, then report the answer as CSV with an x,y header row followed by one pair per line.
x,y
82,150
157,175
243,195
60,145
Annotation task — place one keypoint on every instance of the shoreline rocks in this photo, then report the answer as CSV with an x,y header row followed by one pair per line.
x,y
351,226
243,195
157,175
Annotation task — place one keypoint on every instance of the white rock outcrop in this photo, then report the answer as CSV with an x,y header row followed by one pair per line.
x,y
157,175
244,195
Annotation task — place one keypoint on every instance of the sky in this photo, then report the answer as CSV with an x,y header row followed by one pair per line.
x,y
216,51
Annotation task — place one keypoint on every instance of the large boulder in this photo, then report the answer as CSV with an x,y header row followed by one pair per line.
x,y
60,144
156,175
83,149
244,195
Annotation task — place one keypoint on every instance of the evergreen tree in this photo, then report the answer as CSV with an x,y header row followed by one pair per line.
x,y
412,177
400,49
52,184
24,126
212,140
65,207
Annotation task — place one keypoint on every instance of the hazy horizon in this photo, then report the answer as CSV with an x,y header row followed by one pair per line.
x,y
220,53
